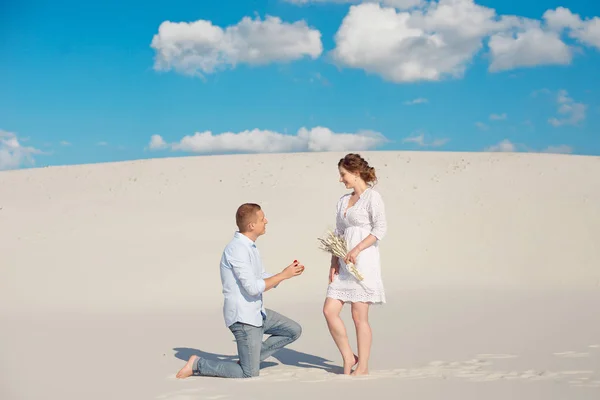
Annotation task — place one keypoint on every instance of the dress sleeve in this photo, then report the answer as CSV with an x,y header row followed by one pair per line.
x,y
377,216
339,223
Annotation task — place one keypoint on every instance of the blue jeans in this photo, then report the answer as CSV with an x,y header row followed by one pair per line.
x,y
251,348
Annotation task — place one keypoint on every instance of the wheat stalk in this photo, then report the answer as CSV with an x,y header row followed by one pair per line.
x,y
336,245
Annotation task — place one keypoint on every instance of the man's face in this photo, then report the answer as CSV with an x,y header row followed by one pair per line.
x,y
260,226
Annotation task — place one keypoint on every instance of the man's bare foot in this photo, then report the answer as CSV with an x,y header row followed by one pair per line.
x,y
350,364
186,371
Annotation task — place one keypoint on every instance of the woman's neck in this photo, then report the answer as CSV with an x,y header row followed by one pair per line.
x,y
359,189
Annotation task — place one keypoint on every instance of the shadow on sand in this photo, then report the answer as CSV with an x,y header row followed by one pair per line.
x,y
284,356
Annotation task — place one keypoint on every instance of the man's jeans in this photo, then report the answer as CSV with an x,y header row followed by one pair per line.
x,y
251,349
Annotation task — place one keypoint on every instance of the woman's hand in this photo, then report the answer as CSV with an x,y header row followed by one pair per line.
x,y
352,255
333,271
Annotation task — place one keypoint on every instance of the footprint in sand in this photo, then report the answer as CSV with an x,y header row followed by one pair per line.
x,y
497,356
572,354
173,377
184,394
513,375
584,382
580,381
438,363
576,372
476,362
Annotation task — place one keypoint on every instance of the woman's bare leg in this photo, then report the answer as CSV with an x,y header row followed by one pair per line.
x,y
360,315
331,310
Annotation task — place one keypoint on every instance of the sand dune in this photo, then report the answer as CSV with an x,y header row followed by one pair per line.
x,y
109,276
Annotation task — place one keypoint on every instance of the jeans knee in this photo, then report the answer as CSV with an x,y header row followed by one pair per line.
x,y
296,331
251,374
251,371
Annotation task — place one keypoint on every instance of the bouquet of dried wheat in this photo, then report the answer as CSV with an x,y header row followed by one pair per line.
x,y
336,245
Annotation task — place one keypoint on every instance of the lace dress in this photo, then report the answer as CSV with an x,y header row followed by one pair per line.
x,y
365,217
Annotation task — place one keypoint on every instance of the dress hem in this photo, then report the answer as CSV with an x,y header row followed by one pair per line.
x,y
350,299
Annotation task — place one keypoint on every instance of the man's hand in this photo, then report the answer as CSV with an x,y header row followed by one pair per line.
x,y
292,270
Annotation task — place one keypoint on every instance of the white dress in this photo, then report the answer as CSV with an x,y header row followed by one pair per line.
x,y
365,217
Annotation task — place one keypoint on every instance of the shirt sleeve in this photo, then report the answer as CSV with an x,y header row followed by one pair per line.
x,y
377,215
266,275
239,259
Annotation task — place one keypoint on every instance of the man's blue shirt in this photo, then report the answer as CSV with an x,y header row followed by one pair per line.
x,y
243,277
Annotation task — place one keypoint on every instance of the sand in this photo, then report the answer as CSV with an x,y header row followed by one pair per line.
x,y
109,277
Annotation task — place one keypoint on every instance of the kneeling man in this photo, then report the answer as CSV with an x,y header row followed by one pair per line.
x,y
244,280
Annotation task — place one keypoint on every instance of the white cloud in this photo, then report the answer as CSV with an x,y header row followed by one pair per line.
x,y
65,143
13,154
509,147
561,149
572,111
433,43
498,117
527,48
319,78
157,143
504,146
586,31
199,47
535,93
419,100
440,39
399,4
421,141
264,141
481,126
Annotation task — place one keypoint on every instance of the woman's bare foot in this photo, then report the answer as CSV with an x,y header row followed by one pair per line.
x,y
360,371
350,364
187,371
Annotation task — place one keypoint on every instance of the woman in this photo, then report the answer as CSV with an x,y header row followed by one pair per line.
x,y
361,221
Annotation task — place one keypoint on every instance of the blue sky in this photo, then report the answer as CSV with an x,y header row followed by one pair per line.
x,y
87,82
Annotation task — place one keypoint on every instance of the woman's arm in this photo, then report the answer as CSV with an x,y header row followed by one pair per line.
x,y
376,210
365,243
334,267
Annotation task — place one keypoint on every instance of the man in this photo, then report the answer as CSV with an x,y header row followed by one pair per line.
x,y
244,280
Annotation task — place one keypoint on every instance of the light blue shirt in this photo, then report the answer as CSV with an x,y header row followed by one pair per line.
x,y
243,277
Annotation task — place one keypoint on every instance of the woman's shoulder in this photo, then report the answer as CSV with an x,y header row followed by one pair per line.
x,y
374,195
343,198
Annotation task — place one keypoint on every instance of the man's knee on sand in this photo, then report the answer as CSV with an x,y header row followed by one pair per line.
x,y
296,331
250,369
251,373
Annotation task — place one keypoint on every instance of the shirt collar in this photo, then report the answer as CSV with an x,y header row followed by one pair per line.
x,y
244,238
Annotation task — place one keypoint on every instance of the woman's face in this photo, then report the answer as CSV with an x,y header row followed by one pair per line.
x,y
347,178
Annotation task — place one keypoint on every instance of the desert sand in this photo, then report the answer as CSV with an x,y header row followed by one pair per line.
x,y
109,277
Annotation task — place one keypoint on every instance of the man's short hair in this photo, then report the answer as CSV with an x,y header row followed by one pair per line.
x,y
246,213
